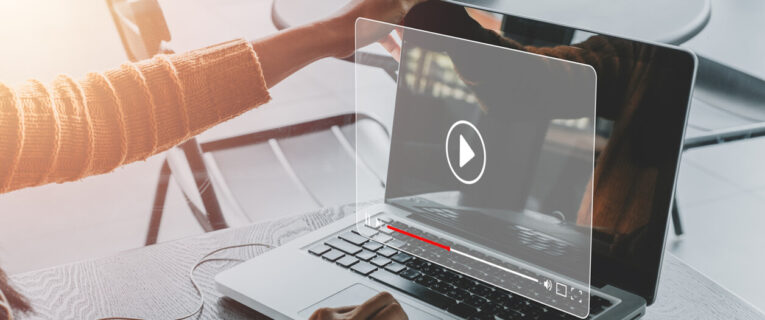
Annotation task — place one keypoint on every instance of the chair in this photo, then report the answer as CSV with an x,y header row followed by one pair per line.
x,y
732,91
144,33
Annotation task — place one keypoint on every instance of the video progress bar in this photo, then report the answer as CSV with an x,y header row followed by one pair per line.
x,y
448,248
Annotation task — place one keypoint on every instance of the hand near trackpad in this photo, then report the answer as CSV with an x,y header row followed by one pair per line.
x,y
361,302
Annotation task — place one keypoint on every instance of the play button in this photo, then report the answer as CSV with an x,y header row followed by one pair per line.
x,y
465,147
466,152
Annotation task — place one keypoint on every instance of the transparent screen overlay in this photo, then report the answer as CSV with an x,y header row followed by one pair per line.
x,y
483,159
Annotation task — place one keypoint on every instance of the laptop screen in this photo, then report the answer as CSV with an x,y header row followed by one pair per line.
x,y
643,93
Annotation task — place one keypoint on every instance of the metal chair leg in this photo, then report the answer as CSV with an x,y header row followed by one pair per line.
x,y
204,184
676,223
158,207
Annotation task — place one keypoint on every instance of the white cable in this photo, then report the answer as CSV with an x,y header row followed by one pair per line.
x,y
198,289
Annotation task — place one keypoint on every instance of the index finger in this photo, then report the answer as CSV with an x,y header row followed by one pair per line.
x,y
390,45
345,309
373,305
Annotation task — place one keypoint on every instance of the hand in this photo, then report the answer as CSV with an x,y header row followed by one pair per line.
x,y
380,307
342,23
10,299
430,16
287,51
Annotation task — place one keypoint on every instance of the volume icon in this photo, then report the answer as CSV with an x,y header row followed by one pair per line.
x,y
548,284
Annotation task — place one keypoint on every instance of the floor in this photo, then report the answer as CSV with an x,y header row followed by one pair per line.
x,y
721,189
722,202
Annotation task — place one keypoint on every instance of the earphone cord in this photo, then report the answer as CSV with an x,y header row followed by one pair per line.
x,y
206,258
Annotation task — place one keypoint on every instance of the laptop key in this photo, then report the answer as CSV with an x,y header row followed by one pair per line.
x,y
382,238
410,274
401,257
412,289
416,263
347,261
430,269
475,301
493,308
380,261
448,276
365,255
395,267
396,243
462,310
364,268
364,231
333,255
343,246
501,297
374,224
442,287
427,281
319,250
387,252
372,246
458,294
466,282
481,290
353,238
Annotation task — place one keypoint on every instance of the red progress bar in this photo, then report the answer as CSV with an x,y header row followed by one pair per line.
x,y
445,247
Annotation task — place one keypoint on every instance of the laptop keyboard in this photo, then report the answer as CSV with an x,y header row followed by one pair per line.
x,y
443,288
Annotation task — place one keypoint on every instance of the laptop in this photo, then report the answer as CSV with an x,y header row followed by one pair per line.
x,y
643,95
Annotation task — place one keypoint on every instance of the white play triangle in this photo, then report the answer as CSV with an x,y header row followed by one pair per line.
x,y
466,152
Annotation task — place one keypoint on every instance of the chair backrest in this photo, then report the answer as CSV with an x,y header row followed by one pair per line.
x,y
141,26
731,98
301,167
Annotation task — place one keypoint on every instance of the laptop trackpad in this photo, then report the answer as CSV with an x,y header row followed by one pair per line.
x,y
356,295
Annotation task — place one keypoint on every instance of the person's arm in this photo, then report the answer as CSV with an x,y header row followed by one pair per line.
x,y
72,129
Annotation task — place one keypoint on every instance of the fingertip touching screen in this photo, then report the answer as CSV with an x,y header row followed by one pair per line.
x,y
482,162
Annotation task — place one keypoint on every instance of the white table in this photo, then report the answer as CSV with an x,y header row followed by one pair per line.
x,y
153,282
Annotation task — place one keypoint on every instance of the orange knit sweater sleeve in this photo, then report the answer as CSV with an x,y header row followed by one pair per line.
x,y
72,129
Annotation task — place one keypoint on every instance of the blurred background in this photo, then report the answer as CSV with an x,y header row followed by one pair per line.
x,y
721,188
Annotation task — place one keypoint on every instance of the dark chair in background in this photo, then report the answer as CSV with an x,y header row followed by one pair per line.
x,y
733,92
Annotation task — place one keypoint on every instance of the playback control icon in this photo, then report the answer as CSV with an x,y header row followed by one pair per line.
x,y
465,152
548,284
